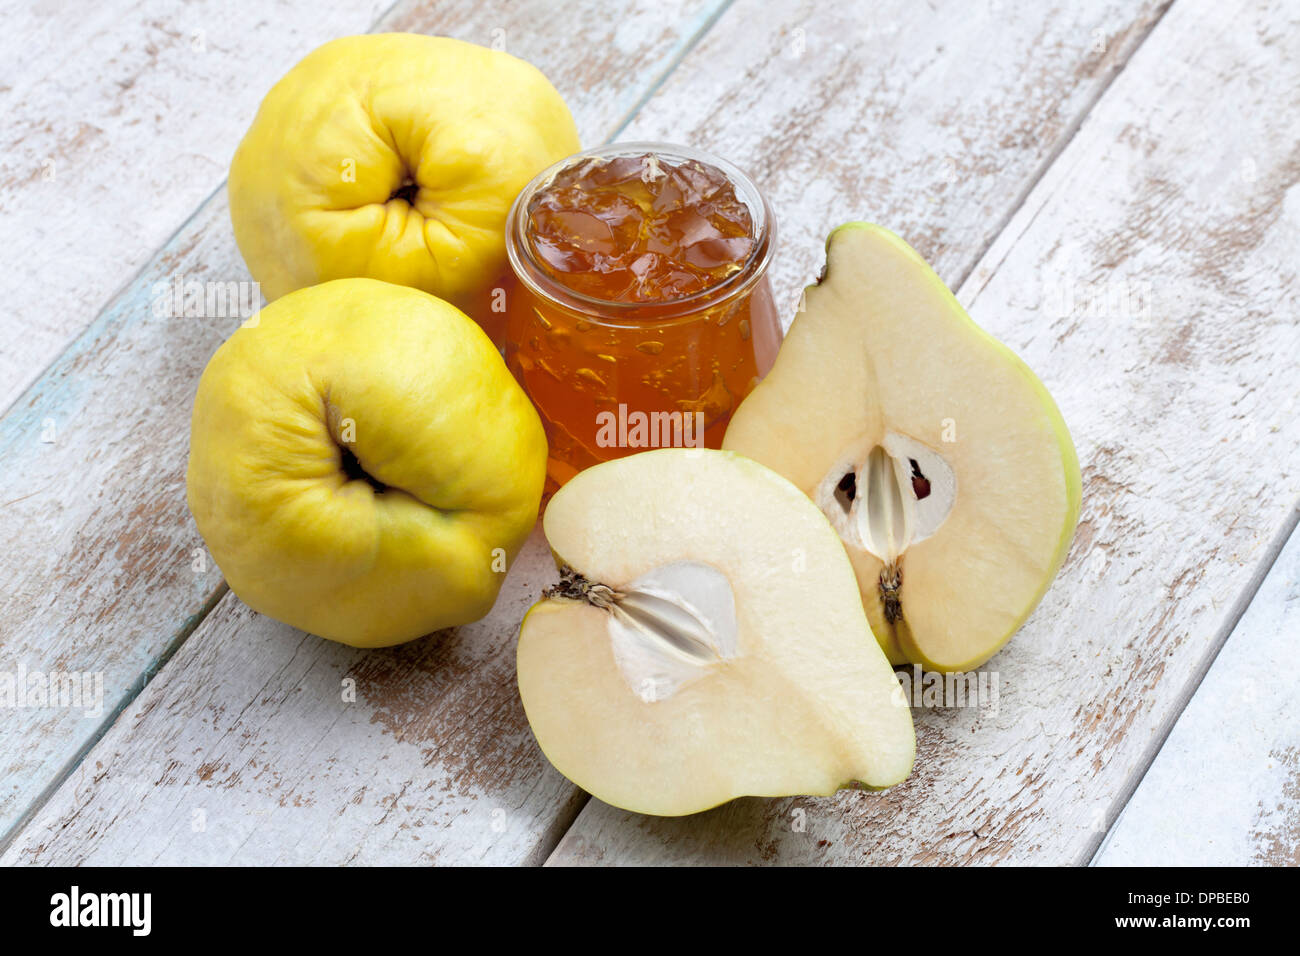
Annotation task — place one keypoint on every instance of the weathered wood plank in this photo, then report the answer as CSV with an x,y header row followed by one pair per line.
x,y
119,121
1231,766
1151,280
106,571
1041,57
258,753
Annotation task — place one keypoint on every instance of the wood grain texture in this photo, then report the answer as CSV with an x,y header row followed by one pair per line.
x,y
255,753
107,807
1150,278
107,573
931,118
1231,767
120,120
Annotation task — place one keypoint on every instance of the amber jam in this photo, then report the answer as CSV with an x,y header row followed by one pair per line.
x,y
643,314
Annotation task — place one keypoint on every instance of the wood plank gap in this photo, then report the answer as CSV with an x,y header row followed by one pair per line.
x,y
145,265
559,828
188,627
1244,599
121,291
691,43
96,111
1133,43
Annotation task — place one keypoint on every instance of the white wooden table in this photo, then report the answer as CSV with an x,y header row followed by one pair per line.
x,y
1110,185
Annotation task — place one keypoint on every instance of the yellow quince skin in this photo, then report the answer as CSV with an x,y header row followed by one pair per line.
x,y
362,464
395,157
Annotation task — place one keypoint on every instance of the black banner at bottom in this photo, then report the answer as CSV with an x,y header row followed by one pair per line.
x,y
336,906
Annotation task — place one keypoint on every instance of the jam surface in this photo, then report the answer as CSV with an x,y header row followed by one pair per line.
x,y
640,228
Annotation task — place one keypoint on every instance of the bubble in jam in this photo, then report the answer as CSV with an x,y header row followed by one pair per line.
x,y
640,228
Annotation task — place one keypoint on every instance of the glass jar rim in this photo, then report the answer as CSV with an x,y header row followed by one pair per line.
x,y
605,311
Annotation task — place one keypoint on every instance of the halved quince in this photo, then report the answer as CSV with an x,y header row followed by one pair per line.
x,y
935,452
706,641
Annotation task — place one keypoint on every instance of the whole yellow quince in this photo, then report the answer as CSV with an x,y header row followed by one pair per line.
x,y
394,156
362,464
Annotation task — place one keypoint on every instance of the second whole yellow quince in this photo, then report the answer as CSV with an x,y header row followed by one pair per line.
x,y
362,464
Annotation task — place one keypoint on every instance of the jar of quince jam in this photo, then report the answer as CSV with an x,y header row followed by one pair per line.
x,y
642,314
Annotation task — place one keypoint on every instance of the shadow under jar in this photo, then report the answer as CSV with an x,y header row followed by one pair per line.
x,y
642,314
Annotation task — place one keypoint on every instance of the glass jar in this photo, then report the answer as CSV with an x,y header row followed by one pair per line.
x,y
611,377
